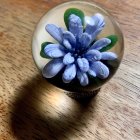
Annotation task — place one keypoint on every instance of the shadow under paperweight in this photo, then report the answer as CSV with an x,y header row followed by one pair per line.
x,y
77,46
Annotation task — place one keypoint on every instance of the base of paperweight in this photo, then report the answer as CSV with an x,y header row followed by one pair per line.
x,y
82,94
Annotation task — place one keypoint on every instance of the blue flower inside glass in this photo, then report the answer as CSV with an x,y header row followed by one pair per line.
x,y
78,55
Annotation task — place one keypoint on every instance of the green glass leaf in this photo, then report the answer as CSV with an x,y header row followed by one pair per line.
x,y
75,11
43,45
113,39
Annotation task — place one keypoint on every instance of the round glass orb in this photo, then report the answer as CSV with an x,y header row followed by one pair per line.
x,y
56,16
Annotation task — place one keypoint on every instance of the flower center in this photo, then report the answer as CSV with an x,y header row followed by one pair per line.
x,y
78,53
78,50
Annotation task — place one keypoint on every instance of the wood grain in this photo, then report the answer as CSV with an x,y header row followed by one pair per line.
x,y
30,109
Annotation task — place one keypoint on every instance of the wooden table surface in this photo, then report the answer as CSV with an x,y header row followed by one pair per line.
x,y
30,109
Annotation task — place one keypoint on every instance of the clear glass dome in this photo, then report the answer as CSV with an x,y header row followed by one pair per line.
x,y
56,16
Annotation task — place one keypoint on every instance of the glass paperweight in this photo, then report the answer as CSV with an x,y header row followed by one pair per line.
x,y
77,46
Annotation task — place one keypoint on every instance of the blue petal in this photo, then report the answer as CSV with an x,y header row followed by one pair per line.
x,y
83,64
99,44
69,73
99,20
97,25
94,35
67,44
108,56
68,59
94,25
61,30
52,68
92,72
55,32
100,69
93,55
85,40
91,25
75,25
54,50
83,78
70,37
